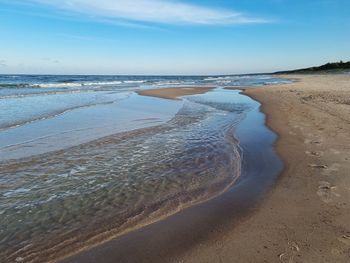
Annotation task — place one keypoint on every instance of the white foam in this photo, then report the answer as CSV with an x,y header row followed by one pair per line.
x,y
76,84
134,81
55,85
116,82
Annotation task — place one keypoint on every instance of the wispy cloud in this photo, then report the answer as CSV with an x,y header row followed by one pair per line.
x,y
153,11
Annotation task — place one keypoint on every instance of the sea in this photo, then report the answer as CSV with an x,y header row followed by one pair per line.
x,y
84,159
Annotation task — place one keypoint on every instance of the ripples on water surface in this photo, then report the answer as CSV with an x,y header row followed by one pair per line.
x,y
59,201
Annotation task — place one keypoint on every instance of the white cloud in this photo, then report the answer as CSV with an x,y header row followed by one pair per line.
x,y
154,11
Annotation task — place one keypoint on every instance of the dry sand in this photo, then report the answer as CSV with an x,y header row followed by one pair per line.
x,y
174,93
306,217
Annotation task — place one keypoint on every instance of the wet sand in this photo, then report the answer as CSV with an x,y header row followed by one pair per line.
x,y
174,93
304,217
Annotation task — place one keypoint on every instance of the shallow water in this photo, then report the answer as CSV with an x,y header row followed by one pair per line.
x,y
65,185
85,124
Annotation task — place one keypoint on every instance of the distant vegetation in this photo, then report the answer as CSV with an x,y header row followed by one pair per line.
x,y
329,67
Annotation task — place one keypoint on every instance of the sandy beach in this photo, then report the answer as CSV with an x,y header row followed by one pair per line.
x,y
174,93
302,218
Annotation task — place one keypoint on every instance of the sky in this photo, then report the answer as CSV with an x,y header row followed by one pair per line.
x,y
171,37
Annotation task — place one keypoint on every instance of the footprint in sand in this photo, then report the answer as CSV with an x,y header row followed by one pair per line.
x,y
326,191
331,169
345,239
315,141
314,153
290,253
326,169
319,166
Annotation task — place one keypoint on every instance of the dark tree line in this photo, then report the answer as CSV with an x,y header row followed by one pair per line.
x,y
326,67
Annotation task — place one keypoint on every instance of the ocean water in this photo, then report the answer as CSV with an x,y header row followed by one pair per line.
x,y
84,158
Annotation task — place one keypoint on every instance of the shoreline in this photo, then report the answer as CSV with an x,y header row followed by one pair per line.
x,y
304,217
237,198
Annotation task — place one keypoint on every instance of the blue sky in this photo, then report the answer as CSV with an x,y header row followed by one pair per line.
x,y
171,36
